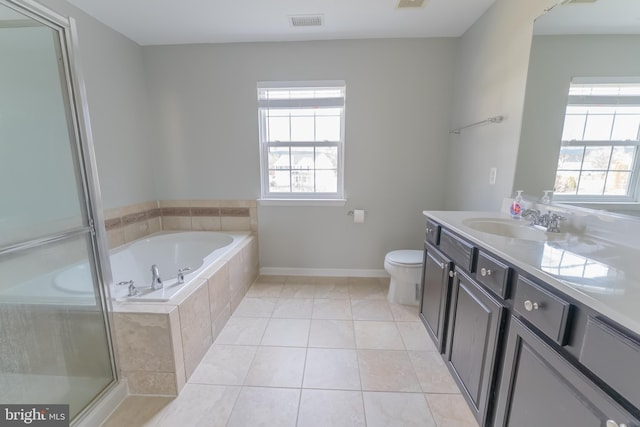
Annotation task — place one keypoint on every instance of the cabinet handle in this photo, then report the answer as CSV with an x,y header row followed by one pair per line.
x,y
611,423
429,229
442,266
530,306
451,274
485,272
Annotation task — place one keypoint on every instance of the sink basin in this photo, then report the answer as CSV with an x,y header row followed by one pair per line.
x,y
513,229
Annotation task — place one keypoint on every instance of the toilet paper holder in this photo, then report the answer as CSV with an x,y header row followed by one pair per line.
x,y
350,213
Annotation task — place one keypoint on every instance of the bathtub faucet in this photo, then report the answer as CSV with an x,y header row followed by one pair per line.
x,y
181,272
156,281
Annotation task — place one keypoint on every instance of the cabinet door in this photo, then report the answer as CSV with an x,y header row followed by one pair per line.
x,y
540,388
436,284
474,325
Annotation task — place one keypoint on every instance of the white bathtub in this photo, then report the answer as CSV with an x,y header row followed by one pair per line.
x,y
170,251
195,250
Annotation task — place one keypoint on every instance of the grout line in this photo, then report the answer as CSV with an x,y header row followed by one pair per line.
x,y
435,422
246,374
235,402
395,392
304,371
415,371
357,350
404,341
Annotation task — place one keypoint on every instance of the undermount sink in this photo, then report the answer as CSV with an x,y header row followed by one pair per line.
x,y
513,229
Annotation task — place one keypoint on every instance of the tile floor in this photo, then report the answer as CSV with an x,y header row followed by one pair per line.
x,y
314,352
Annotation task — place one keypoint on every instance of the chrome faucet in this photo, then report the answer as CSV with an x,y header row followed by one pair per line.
x,y
156,282
133,291
534,214
553,223
181,272
549,221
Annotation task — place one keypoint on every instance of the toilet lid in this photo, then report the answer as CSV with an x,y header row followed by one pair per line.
x,y
405,257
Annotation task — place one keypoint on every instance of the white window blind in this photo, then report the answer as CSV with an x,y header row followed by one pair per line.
x,y
302,139
599,154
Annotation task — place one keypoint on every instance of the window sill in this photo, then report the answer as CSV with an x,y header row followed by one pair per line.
x,y
593,202
302,202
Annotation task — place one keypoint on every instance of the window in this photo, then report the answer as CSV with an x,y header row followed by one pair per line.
x,y
302,139
599,154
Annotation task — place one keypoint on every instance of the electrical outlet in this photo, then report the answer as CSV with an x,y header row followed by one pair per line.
x,y
492,175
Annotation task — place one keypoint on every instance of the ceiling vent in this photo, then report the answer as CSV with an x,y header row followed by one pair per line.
x,y
580,1
408,4
306,21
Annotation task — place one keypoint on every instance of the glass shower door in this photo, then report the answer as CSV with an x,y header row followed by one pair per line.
x,y
54,337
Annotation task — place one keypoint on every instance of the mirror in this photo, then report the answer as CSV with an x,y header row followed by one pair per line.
x,y
576,41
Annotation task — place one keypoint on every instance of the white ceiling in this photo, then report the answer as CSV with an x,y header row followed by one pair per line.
x,y
153,22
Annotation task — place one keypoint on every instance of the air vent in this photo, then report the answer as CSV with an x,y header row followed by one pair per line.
x,y
306,21
580,1
407,4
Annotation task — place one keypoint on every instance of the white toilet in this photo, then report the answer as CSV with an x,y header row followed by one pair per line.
x,y
405,269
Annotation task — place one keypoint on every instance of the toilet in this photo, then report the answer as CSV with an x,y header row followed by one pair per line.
x,y
405,269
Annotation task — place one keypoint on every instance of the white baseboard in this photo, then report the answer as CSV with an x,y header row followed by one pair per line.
x,y
108,403
322,272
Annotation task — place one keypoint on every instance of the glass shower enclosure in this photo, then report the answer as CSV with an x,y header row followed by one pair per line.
x,y
55,345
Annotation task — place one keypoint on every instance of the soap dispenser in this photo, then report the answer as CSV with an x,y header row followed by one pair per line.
x,y
516,206
546,198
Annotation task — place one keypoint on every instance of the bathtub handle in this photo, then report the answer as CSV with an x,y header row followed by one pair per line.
x,y
133,291
181,272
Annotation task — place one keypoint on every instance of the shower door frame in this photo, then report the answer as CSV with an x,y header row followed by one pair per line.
x,y
74,93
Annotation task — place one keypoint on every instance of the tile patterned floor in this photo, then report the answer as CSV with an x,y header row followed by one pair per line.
x,y
313,352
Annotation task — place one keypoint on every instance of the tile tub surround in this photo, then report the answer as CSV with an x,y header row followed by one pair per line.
x,y
159,345
286,359
132,222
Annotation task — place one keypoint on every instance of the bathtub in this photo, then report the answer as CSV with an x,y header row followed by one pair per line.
x,y
170,252
182,329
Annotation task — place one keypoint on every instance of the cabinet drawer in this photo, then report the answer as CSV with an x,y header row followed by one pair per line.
x,y
493,274
433,232
460,252
545,311
613,357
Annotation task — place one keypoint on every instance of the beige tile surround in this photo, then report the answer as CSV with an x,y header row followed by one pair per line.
x,y
324,368
129,223
159,345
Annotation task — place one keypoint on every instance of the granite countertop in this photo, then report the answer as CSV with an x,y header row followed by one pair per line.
x,y
603,275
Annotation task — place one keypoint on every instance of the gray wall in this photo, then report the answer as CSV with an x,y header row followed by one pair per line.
x,y
397,119
491,71
118,106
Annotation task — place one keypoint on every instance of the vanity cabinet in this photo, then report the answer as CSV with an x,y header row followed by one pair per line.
x,y
522,352
462,318
472,345
540,387
436,287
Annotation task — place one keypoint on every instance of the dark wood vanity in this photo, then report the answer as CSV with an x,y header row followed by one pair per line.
x,y
523,353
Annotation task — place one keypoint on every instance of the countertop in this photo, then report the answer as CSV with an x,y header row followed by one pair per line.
x,y
602,275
